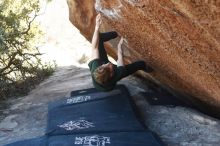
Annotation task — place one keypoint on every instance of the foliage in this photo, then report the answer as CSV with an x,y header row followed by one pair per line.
x,y
19,36
83,59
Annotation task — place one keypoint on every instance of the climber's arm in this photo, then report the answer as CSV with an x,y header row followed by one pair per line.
x,y
95,38
120,61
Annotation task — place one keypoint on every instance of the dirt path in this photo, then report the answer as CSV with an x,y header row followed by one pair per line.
x,y
27,116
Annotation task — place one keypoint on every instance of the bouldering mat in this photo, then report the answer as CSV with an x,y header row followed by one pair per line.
x,y
144,138
93,118
112,113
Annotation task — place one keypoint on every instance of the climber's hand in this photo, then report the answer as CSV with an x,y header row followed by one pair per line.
x,y
98,20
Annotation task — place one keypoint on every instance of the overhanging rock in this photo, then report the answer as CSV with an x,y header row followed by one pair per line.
x,y
180,40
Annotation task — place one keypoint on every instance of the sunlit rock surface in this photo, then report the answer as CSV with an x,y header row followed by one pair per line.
x,y
180,40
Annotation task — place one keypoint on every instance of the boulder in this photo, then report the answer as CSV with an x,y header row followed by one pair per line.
x,y
180,40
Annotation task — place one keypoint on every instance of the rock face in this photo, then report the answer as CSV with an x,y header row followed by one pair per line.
x,y
180,40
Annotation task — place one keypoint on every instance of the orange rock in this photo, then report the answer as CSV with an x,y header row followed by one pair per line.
x,y
180,40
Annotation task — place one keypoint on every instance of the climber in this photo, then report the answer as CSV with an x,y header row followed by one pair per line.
x,y
105,74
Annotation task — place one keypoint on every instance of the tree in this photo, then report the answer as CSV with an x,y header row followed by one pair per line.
x,y
19,36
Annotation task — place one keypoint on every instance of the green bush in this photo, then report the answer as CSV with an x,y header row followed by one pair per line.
x,y
83,59
20,66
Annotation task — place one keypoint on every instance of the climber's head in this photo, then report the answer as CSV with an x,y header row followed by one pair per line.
x,y
103,73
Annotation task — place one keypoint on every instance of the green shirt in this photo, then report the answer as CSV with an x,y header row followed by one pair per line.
x,y
117,75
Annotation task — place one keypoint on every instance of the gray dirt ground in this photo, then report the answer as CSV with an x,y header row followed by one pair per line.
x,y
26,117
177,126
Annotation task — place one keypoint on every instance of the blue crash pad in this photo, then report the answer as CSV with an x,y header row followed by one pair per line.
x,y
93,118
144,138
107,114
81,96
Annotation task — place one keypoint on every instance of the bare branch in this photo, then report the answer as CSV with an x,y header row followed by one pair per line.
x,y
10,62
29,24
